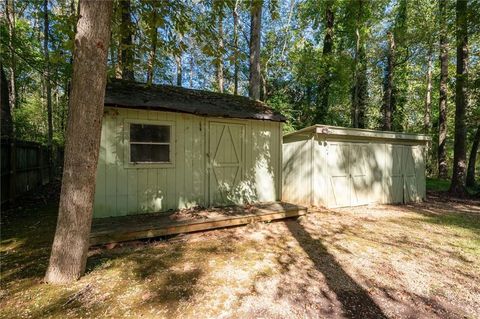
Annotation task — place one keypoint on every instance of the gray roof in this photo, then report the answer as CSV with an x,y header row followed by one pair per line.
x,y
177,99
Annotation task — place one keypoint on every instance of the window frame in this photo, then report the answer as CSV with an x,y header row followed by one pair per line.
x,y
129,164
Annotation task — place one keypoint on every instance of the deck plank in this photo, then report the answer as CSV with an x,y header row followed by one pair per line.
x,y
118,229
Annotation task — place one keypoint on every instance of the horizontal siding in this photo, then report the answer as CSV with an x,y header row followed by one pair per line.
x,y
123,190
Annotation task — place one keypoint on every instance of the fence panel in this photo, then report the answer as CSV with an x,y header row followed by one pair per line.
x,y
24,167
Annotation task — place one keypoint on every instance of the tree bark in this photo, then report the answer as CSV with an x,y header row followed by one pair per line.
x,y
457,186
442,104
427,122
10,14
359,91
235,49
325,80
178,62
255,34
472,160
48,87
388,84
126,43
219,62
153,41
70,246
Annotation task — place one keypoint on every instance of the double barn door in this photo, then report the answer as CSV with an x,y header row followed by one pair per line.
x,y
225,161
361,173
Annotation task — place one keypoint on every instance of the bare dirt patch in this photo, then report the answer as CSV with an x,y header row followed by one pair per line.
x,y
416,261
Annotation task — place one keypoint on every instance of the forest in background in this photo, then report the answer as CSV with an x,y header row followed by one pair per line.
x,y
370,64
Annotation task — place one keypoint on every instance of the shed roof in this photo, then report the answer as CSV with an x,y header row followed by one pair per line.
x,y
170,98
328,130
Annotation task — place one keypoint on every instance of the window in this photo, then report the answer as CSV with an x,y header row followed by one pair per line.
x,y
150,143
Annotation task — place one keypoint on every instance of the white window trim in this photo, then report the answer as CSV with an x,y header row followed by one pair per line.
x,y
126,131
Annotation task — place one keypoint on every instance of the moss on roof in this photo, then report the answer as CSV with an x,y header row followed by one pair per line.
x,y
136,95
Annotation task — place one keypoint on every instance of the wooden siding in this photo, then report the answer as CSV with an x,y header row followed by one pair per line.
x,y
123,189
339,171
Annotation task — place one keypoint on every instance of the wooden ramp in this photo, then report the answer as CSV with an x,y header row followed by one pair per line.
x,y
132,227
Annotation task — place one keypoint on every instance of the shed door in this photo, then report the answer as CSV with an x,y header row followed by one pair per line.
x,y
394,174
226,164
339,176
361,187
410,178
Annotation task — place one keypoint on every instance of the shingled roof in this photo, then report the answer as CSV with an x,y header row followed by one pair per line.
x,y
177,99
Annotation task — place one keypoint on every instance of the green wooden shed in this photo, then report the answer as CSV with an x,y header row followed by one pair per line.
x,y
167,148
337,167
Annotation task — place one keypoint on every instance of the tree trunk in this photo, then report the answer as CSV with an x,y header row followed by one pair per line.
x,y
324,83
442,105
457,186
472,160
255,33
153,41
219,62
126,43
235,49
10,14
359,91
70,246
427,122
388,84
48,88
178,62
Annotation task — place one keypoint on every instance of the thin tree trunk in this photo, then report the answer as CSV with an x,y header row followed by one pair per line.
x,y
48,88
219,62
388,84
126,44
427,122
153,49
359,91
10,14
255,33
235,49
324,83
472,160
70,246
442,104
178,62
457,186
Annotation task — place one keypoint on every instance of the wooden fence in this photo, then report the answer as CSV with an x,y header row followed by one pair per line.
x,y
24,167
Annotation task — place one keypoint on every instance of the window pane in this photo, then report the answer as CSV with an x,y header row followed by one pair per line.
x,y
141,153
149,133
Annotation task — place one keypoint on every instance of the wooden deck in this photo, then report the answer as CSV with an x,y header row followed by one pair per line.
x,y
132,227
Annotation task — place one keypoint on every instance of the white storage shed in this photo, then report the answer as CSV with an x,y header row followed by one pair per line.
x,y
338,167
167,148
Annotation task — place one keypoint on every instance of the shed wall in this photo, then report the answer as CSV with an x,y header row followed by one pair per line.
x,y
122,189
352,170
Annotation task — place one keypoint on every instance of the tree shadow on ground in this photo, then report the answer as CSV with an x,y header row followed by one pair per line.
x,y
355,301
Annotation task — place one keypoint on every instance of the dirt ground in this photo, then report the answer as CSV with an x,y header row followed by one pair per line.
x,y
416,261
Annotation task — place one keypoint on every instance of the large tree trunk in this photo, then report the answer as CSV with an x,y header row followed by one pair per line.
x,y
153,49
457,186
219,62
70,246
126,43
388,99
442,104
235,49
255,33
10,14
472,160
325,80
359,91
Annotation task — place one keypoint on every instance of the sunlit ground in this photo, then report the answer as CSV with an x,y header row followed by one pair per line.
x,y
393,261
